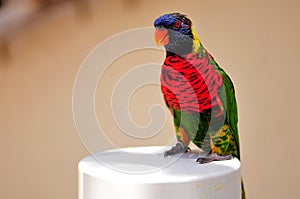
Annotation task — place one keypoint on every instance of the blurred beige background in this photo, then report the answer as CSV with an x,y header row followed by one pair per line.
x,y
256,42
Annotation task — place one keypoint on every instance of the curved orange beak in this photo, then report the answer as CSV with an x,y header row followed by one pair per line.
x,y
161,37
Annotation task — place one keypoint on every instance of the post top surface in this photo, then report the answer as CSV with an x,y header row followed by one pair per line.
x,y
147,165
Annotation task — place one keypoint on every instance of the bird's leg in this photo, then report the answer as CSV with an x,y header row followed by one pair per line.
x,y
213,157
178,148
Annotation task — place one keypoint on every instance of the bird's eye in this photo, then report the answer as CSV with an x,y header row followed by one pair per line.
x,y
177,24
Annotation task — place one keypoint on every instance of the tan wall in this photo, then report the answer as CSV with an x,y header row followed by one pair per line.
x,y
256,42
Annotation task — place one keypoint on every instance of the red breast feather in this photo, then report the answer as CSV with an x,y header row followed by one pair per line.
x,y
189,83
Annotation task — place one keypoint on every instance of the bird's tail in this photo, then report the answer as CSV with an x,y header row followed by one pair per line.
x,y
243,191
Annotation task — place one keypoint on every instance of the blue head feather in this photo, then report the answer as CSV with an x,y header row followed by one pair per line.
x,y
168,20
165,20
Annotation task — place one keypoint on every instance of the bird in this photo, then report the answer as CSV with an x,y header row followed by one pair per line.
x,y
198,93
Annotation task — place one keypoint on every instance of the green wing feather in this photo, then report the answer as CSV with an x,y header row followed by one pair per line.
x,y
227,96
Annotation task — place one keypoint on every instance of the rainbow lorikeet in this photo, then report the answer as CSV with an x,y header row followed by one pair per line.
x,y
197,91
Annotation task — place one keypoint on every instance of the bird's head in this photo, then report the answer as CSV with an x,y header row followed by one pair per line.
x,y
174,31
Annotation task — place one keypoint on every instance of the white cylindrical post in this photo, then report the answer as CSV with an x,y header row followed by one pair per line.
x,y
143,173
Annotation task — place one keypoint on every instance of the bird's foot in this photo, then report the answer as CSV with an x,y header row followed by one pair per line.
x,y
178,148
213,157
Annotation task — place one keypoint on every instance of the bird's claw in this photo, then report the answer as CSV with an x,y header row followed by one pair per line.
x,y
213,157
178,148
